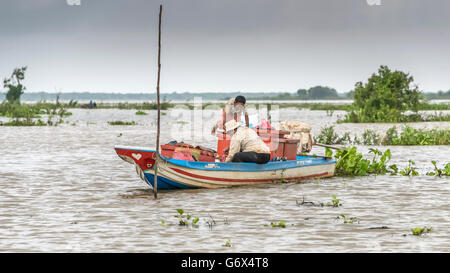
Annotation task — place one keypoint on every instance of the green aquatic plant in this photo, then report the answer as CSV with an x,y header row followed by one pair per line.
x,y
26,114
392,137
119,122
411,136
186,219
329,136
141,113
278,225
349,220
370,137
378,166
334,202
393,169
164,105
282,176
227,243
351,163
418,231
410,170
439,172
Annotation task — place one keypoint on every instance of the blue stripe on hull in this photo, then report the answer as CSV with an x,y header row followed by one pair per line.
x,y
164,183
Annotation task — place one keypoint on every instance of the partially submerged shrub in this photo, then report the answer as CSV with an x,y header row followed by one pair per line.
x,y
385,97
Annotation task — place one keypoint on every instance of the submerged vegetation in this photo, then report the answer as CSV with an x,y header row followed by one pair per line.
x,y
227,243
277,225
329,136
439,172
409,170
141,113
33,115
27,114
408,136
186,219
418,231
119,122
351,163
335,203
164,105
411,136
348,220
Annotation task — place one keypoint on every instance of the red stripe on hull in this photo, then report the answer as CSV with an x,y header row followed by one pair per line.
x,y
240,180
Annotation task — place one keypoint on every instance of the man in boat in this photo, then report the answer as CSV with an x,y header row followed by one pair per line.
x,y
234,109
245,145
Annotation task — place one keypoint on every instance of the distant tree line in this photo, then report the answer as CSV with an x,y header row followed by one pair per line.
x,y
439,95
317,92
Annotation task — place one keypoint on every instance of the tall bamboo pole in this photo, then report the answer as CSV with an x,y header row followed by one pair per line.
x,y
155,188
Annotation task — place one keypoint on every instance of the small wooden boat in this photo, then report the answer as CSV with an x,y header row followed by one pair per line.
x,y
182,174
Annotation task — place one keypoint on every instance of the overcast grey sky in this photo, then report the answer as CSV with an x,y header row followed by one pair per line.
x,y
220,46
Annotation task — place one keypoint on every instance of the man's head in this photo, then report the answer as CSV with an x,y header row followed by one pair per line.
x,y
231,126
239,100
239,104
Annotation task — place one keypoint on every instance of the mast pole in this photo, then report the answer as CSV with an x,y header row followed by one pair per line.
x,y
155,187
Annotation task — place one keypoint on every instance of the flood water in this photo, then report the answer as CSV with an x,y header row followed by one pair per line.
x,y
63,189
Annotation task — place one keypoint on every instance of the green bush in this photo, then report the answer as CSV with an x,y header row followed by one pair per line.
x,y
385,97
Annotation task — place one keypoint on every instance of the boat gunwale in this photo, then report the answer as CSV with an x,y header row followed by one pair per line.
x,y
238,167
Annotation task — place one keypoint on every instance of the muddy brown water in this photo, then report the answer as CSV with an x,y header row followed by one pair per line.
x,y
63,189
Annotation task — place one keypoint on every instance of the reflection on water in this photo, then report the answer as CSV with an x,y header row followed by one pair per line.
x,y
64,189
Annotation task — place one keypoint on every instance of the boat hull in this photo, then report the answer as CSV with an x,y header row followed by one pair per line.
x,y
179,174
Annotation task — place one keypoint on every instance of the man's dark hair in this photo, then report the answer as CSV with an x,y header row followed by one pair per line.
x,y
240,99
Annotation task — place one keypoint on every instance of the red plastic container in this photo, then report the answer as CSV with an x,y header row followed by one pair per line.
x,y
281,146
223,141
290,149
276,146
